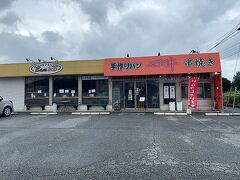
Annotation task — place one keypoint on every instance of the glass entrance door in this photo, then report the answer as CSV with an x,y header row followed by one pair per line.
x,y
141,94
129,95
135,94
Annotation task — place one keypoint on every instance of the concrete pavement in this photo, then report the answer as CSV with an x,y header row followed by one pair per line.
x,y
119,146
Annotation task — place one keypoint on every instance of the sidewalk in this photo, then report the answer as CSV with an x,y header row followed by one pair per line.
x,y
230,110
227,111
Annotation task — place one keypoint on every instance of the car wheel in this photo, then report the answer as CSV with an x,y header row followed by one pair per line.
x,y
7,111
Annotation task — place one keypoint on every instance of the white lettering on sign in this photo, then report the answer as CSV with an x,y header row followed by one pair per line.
x,y
192,91
45,68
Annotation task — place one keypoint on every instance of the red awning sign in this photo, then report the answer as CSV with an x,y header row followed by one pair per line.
x,y
168,64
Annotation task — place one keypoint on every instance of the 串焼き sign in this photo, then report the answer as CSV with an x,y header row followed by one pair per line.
x,y
45,68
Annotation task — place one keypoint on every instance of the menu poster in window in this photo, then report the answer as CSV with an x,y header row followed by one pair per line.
x,y
130,97
39,91
142,99
165,92
61,90
66,90
129,91
172,92
73,91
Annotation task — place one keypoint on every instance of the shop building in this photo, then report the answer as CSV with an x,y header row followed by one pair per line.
x,y
134,83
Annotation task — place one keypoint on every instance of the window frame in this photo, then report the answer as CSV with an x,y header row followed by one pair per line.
x,y
202,85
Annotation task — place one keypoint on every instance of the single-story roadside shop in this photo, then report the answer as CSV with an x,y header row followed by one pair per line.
x,y
133,83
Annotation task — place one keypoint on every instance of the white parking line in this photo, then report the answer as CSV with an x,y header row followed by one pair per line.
x,y
44,113
200,121
170,114
91,113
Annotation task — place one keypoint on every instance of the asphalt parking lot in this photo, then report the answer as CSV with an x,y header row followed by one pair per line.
x,y
119,146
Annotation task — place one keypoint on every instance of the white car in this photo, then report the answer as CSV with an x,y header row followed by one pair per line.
x,y
6,107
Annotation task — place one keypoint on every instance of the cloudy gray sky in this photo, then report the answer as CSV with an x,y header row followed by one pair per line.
x,y
95,29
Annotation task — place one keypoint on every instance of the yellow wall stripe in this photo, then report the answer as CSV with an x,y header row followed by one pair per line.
x,y
69,68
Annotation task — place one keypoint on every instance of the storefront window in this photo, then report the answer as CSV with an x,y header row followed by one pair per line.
x,y
37,91
200,91
153,93
65,90
184,91
169,93
207,90
95,92
204,76
204,90
118,94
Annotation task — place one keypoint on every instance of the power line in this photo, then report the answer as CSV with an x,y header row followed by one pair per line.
x,y
222,36
233,32
224,39
236,61
228,48
230,51
228,55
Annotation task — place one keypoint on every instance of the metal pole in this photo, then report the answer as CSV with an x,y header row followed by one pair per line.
x,y
234,99
50,91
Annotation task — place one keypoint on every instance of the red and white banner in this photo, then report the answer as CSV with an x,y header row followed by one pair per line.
x,y
192,92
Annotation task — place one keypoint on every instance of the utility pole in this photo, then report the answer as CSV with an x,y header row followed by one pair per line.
x,y
234,99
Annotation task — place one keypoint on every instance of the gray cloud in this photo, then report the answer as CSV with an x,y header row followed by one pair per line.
x,y
9,19
146,30
19,47
118,27
4,4
52,37
98,9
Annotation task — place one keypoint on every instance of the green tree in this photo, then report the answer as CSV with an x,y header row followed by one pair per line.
x,y
236,80
226,84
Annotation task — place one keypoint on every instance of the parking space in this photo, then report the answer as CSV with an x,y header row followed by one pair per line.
x,y
119,146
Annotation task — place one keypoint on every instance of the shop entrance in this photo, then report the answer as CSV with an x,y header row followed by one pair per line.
x,y
135,94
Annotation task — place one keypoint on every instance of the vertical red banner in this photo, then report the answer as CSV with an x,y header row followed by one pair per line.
x,y
192,91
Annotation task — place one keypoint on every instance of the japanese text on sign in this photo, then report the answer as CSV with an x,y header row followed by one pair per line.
x,y
192,91
199,62
121,66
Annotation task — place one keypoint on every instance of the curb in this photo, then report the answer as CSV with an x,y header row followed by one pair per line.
x,y
52,113
90,113
170,114
222,114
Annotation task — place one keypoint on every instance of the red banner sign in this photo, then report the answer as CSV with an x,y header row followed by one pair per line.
x,y
192,92
167,64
